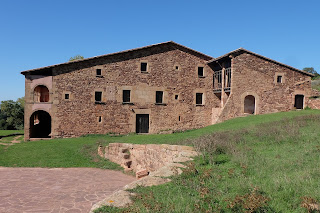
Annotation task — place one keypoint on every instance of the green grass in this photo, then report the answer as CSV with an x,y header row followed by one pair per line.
x,y
269,167
9,132
11,138
81,152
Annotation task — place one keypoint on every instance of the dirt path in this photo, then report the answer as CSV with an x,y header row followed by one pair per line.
x,y
15,140
56,190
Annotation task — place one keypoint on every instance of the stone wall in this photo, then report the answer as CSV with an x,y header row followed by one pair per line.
x,y
254,76
314,103
149,158
79,115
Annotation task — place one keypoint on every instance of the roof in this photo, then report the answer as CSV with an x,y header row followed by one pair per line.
x,y
207,57
242,50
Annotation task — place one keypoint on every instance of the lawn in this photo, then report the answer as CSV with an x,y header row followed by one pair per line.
x,y
81,152
9,132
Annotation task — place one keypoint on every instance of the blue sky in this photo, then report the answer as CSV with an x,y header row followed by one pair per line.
x,y
37,33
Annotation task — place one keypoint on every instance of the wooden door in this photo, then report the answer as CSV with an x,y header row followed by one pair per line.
x,y
142,123
298,101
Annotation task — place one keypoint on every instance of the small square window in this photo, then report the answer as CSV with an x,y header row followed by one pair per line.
x,y
98,96
159,97
176,97
177,67
126,96
66,96
199,97
200,72
98,72
144,67
279,79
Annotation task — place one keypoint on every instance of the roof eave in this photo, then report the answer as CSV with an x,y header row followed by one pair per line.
x,y
260,56
121,52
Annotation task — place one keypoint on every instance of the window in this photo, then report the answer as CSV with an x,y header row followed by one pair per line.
x,y
159,97
98,96
126,96
176,97
99,119
41,94
200,72
144,67
199,98
179,118
67,96
279,79
98,72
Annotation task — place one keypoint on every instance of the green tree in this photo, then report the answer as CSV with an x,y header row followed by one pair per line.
x,y
312,71
12,114
77,57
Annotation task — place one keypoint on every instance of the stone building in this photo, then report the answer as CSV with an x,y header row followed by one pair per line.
x,y
158,88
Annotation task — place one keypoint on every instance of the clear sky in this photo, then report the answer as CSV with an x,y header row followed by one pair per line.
x,y
37,33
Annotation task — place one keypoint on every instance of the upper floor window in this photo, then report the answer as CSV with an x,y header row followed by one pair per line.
x,y
98,96
159,97
279,79
67,96
41,94
199,98
126,96
98,72
144,67
201,71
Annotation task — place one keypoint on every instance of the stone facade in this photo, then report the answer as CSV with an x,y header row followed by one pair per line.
x,y
72,110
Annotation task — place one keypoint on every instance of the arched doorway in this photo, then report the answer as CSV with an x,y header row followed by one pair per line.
x,y
249,104
41,94
40,124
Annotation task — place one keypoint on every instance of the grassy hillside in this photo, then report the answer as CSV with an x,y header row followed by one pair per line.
x,y
315,84
269,167
81,152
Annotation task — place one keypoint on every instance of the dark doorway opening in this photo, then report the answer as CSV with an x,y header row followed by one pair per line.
x,y
142,123
298,101
249,104
40,125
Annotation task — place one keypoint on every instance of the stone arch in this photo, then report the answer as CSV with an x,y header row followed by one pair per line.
x,y
40,124
250,103
41,94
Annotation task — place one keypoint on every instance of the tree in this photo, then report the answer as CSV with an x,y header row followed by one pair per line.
x,y
12,114
312,71
77,57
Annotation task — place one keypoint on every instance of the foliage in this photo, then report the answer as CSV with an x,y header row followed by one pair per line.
x,y
12,114
76,57
312,71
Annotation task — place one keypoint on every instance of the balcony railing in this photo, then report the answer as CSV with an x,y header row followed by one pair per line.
x,y
222,78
